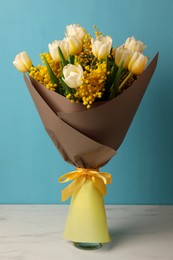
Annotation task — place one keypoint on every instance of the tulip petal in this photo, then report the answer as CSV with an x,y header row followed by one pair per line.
x,y
21,67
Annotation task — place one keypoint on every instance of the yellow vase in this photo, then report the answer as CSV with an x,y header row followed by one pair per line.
x,y
86,220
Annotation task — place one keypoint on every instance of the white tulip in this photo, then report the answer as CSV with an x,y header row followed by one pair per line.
x,y
122,54
76,30
134,45
53,49
101,46
73,75
22,62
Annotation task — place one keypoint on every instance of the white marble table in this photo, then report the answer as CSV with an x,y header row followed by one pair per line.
x,y
35,232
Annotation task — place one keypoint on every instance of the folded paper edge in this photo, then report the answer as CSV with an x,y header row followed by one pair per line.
x,y
100,147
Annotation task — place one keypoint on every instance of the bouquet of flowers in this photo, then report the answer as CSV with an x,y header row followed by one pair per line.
x,y
87,93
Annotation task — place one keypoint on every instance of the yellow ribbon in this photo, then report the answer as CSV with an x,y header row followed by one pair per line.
x,y
79,177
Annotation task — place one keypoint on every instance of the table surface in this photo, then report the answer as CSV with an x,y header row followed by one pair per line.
x,y
35,232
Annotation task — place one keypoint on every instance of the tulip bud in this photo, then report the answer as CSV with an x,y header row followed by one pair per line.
x,y
73,75
76,30
122,55
101,46
137,63
75,44
22,62
134,45
53,49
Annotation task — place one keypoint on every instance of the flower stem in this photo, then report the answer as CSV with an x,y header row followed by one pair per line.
x,y
71,59
93,61
124,81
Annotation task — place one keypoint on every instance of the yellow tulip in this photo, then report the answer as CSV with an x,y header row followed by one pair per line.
x,y
75,44
137,63
22,62
122,55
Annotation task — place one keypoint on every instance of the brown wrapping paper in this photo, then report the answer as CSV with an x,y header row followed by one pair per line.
x,y
89,138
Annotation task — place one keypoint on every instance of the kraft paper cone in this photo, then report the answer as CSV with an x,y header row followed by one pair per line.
x,y
74,147
88,138
86,221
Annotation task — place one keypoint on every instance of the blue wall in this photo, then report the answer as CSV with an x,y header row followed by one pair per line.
x,y
29,163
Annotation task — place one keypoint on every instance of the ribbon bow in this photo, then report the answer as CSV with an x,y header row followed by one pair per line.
x,y
79,177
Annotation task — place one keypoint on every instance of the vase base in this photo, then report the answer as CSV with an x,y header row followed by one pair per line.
x,y
87,246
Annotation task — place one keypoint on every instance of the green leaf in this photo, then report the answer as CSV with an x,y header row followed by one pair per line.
x,y
114,90
107,63
114,70
107,83
66,88
71,59
59,90
63,61
52,76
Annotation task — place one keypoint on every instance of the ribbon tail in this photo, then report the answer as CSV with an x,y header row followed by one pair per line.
x,y
68,177
72,188
107,177
99,184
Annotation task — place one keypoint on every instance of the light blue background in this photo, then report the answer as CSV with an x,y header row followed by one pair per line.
x,y
29,163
